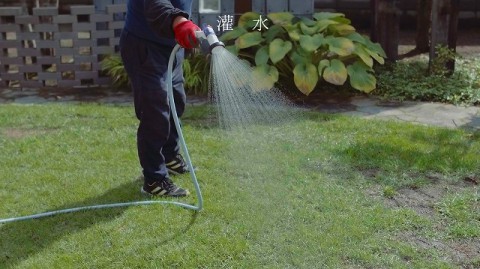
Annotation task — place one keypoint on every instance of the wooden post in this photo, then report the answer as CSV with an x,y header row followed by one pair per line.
x,y
386,26
453,31
444,28
422,40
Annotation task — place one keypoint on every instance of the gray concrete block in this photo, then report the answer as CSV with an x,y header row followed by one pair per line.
x,y
28,36
26,19
101,17
80,27
64,19
10,43
11,60
119,8
12,76
85,58
45,11
65,51
84,43
102,50
45,27
9,28
10,11
48,76
47,60
65,35
29,68
82,10
116,25
103,34
28,52
47,44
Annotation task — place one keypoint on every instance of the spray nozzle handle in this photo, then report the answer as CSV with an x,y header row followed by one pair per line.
x,y
208,39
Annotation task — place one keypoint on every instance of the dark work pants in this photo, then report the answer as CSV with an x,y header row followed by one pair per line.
x,y
146,65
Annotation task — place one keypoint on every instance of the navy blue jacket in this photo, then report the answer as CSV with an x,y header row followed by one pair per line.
x,y
152,19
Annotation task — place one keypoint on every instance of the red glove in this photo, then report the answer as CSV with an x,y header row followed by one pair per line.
x,y
185,34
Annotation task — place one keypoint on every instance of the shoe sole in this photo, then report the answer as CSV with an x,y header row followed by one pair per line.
x,y
144,192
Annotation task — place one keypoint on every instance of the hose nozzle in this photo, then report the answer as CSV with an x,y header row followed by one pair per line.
x,y
208,39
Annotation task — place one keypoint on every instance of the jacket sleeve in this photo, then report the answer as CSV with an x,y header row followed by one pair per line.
x,y
160,15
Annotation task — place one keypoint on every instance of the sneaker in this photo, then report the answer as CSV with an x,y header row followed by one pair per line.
x,y
177,166
163,188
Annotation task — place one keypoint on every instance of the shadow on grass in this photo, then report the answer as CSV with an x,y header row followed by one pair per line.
x,y
414,152
23,239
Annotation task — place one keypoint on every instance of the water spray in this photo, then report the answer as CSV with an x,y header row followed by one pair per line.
x,y
207,37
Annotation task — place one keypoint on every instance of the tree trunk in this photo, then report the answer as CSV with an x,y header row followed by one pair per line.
x,y
422,40
453,31
386,26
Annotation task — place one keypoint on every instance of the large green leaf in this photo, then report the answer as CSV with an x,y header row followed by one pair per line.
x,y
323,24
356,37
308,30
363,54
247,20
327,15
300,56
278,49
361,78
232,49
341,29
293,31
261,57
336,73
264,77
340,45
376,56
281,18
305,77
376,48
248,40
233,34
273,32
322,65
311,43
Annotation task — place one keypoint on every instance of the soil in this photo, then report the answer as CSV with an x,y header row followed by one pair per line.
x,y
463,252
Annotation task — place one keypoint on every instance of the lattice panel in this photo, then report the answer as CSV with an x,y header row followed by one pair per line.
x,y
58,50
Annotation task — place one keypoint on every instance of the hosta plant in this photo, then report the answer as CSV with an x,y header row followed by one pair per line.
x,y
323,49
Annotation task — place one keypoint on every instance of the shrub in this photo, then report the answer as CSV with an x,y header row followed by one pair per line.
x,y
326,48
113,66
410,80
196,70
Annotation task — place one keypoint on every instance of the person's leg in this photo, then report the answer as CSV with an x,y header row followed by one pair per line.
x,y
146,65
171,148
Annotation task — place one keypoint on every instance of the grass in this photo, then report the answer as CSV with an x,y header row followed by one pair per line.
x,y
286,196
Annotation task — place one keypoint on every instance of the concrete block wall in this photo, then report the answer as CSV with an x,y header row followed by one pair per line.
x,y
46,49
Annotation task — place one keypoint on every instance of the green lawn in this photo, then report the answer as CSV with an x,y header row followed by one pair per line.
x,y
294,195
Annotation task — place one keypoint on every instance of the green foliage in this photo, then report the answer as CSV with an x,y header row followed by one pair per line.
x,y
196,71
325,48
443,56
113,66
410,80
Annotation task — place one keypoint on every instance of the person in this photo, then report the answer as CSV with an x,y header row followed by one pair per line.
x,y
152,28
